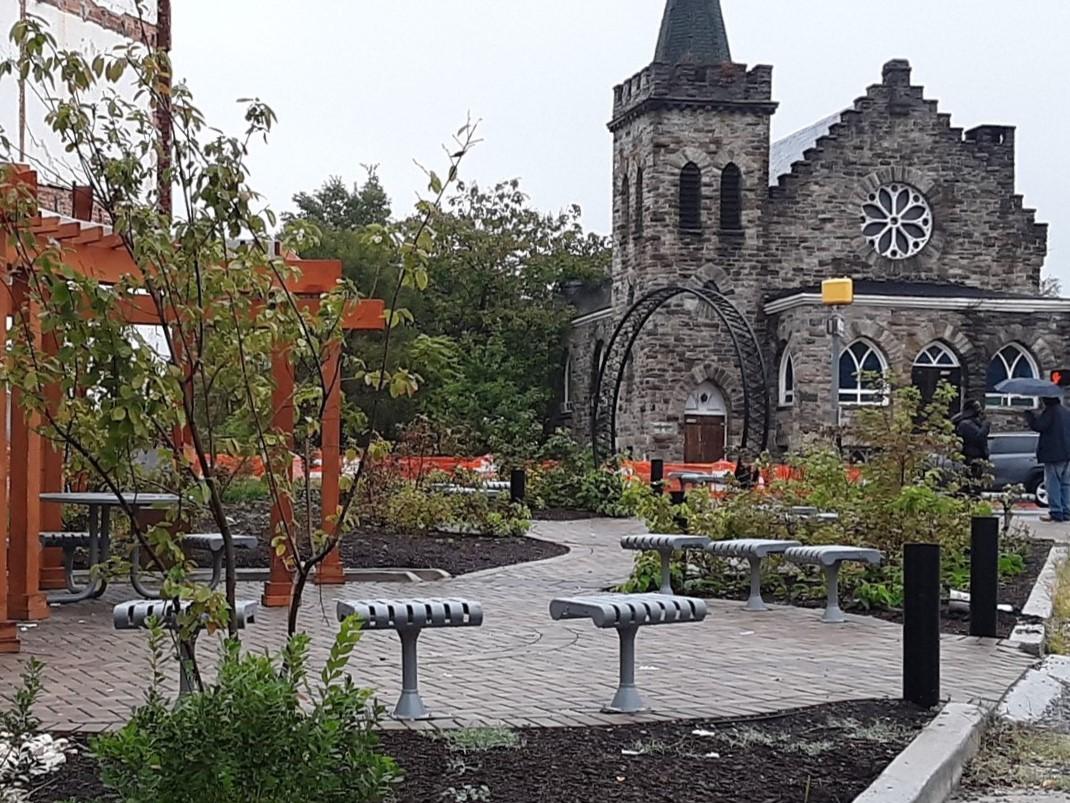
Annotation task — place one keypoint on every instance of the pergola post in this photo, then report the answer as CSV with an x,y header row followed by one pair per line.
x,y
25,601
331,570
278,590
9,634
52,574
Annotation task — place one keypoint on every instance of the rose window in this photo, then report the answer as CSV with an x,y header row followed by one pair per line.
x,y
897,221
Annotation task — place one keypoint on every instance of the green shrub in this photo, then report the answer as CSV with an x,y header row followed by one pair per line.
x,y
411,508
564,477
246,489
260,732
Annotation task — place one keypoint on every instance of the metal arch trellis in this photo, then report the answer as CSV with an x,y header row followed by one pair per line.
x,y
749,361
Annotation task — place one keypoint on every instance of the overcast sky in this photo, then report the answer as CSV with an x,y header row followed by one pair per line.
x,y
386,82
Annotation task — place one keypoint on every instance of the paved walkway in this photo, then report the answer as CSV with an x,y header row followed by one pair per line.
x,y
521,668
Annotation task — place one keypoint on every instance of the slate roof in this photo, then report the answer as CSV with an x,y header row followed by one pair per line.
x,y
789,150
693,30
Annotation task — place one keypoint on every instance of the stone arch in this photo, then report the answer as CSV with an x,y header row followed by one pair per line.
x,y
749,359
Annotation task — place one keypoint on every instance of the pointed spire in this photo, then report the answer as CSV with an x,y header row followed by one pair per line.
x,y
693,30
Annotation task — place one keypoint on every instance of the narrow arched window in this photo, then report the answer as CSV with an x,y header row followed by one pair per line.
x,y
1011,362
862,371
625,205
691,197
639,202
731,198
787,380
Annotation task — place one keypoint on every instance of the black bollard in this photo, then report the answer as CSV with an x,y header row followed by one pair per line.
x,y
657,477
921,624
518,482
984,576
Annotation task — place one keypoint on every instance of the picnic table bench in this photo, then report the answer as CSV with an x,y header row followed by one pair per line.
x,y
753,550
830,559
409,617
665,546
627,613
137,614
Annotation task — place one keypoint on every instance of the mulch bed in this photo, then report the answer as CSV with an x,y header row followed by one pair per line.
x,y
827,754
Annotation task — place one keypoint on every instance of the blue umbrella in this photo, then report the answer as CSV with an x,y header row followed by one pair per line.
x,y
1026,386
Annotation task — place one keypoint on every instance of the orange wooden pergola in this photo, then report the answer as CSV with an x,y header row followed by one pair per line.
x,y
30,466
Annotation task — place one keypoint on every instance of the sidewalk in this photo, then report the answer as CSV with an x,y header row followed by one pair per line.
x,y
523,669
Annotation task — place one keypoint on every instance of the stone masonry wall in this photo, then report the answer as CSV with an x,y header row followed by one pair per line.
x,y
974,336
982,235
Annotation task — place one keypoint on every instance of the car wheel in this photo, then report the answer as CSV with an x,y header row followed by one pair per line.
x,y
1041,493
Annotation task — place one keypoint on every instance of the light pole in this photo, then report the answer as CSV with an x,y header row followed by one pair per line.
x,y
836,294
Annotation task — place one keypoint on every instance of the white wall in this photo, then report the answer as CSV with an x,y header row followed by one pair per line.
x,y
44,151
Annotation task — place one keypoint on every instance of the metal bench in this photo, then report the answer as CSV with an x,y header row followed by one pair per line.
x,y
409,617
830,558
210,542
627,613
69,542
136,614
664,545
754,550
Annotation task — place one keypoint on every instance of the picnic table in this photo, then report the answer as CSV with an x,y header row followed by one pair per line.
x,y
98,537
686,478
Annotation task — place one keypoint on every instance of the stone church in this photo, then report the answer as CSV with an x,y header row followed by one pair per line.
x,y
923,216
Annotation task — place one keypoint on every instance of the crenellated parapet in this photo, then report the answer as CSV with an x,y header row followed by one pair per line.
x,y
720,87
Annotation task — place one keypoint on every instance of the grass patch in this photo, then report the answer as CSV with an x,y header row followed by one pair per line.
x,y
746,737
1021,758
479,740
1059,625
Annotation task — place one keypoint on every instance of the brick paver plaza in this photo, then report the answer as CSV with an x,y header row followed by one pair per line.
x,y
521,668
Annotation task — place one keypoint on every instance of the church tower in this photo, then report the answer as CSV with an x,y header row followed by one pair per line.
x,y
690,189
690,159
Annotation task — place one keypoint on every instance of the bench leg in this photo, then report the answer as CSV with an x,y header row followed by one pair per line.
x,y
755,601
217,568
410,705
627,699
666,572
187,677
833,615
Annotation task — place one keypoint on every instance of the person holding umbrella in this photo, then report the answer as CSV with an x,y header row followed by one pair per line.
x,y
1053,446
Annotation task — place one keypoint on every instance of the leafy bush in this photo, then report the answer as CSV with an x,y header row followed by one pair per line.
x,y
414,509
564,477
260,732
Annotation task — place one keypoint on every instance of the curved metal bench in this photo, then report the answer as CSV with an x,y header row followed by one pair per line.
x,y
664,545
830,558
69,542
627,613
136,614
210,542
754,550
409,617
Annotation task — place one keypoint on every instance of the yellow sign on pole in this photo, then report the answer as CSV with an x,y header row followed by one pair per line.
x,y
837,292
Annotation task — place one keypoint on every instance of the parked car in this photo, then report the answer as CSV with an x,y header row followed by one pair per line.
x,y
1014,456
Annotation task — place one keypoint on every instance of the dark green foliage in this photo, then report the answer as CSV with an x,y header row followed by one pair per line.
x,y
566,478
260,732
492,323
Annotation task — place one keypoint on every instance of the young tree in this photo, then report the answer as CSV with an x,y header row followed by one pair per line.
x,y
218,293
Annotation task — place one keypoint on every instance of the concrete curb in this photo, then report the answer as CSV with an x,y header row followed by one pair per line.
x,y
930,768
1036,692
1029,637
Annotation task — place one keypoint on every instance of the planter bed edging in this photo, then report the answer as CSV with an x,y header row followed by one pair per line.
x,y
930,768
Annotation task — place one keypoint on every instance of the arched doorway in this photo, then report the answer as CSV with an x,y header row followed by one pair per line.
x,y
754,388
705,425
937,363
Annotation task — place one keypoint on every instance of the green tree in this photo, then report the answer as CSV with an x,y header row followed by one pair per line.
x,y
219,296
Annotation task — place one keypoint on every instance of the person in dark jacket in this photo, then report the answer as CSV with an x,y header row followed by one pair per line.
x,y
1053,450
973,429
